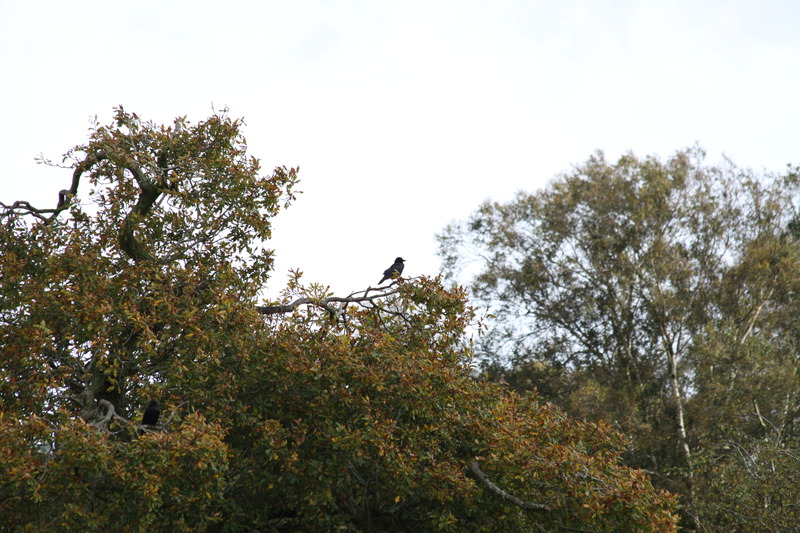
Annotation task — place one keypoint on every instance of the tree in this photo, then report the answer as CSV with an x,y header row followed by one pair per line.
x,y
750,485
622,289
315,412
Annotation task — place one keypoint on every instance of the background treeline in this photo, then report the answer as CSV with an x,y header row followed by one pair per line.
x,y
662,298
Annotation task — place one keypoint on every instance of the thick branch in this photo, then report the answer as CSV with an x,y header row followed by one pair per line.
x,y
476,470
104,419
147,197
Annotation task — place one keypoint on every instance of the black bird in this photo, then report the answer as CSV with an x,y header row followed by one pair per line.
x,y
63,197
396,268
150,417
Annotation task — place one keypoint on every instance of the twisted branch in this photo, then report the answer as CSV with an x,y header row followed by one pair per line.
x,y
64,195
150,191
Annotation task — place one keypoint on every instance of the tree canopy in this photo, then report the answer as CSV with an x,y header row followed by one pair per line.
x,y
315,412
657,296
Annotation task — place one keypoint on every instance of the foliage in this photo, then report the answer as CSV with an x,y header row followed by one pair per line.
x,y
358,417
654,295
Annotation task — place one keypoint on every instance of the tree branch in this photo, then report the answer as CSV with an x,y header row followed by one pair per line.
x,y
64,195
476,470
110,412
325,303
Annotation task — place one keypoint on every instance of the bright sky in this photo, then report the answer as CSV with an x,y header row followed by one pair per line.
x,y
404,115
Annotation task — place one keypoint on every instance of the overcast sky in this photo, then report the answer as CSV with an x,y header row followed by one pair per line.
x,y
403,116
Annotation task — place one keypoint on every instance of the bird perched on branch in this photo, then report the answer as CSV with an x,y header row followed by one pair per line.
x,y
63,197
395,270
150,417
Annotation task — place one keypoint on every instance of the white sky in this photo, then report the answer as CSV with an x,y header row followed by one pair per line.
x,y
405,115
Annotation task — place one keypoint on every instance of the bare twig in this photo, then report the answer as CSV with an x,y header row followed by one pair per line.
x,y
166,423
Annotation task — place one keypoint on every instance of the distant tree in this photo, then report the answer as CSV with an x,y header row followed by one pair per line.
x,y
315,412
653,295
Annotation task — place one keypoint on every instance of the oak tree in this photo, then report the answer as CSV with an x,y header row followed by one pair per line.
x,y
311,412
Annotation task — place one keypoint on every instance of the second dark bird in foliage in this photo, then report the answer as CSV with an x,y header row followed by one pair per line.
x,y
395,269
150,417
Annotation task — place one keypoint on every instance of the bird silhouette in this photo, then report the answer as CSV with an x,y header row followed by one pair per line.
x,y
395,269
63,197
150,417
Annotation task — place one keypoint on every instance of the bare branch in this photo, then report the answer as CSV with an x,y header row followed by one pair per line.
x,y
360,297
476,470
